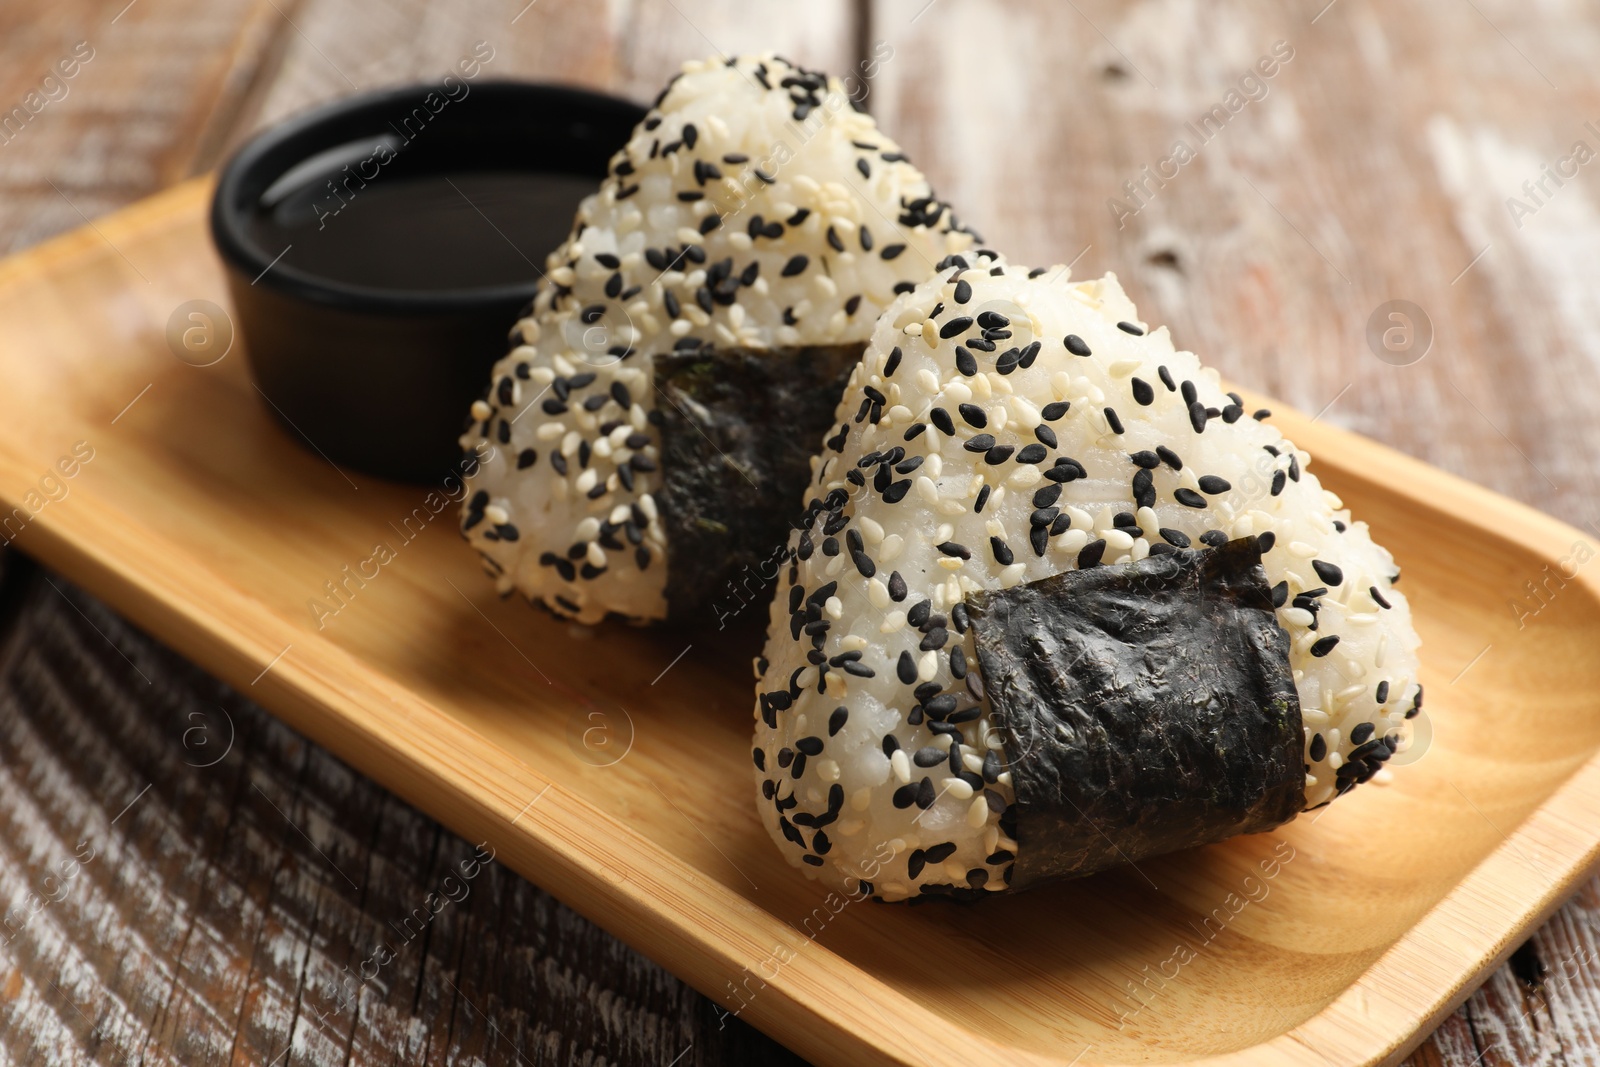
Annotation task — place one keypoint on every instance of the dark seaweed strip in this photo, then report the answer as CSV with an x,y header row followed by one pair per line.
x,y
1145,707
728,482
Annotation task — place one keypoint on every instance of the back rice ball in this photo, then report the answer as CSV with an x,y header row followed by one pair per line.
x,y
754,209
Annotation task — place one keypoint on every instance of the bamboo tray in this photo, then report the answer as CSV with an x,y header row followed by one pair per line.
x,y
200,519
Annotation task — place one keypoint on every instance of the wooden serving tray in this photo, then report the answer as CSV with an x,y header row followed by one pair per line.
x,y
1341,939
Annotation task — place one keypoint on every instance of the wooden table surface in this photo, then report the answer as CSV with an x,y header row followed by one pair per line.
x,y
1384,160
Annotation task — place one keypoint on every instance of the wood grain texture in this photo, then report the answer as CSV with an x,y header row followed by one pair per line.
x,y
137,114
1377,166
202,520
213,921
629,47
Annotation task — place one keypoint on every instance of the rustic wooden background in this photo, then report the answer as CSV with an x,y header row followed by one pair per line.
x,y
1377,166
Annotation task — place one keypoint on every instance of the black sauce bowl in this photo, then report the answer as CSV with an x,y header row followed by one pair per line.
x,y
377,377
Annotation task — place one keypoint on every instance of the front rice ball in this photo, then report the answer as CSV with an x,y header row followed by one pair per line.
x,y
1007,425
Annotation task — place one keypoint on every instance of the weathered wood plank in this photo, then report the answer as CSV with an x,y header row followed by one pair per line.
x,y
1374,167
621,46
213,923
99,110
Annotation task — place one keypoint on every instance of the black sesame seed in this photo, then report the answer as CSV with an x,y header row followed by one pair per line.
x,y
1188,497
973,415
1031,454
1212,485
796,265
1264,542
906,668
1112,420
1144,490
1362,733
998,454
1369,750
1324,645
1142,391
1377,597
954,549
1382,694
897,587
1091,554
1128,327
963,291
1147,460
1328,572
1039,539
1319,748
1075,345
941,419
1175,537
955,326
1002,551
1052,412
965,362
981,442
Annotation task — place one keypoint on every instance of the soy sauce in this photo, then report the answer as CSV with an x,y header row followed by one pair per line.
x,y
356,215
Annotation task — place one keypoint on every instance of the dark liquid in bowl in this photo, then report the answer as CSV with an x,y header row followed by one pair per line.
x,y
419,231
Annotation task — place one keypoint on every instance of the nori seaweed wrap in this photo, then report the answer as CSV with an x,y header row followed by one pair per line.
x,y
1144,707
